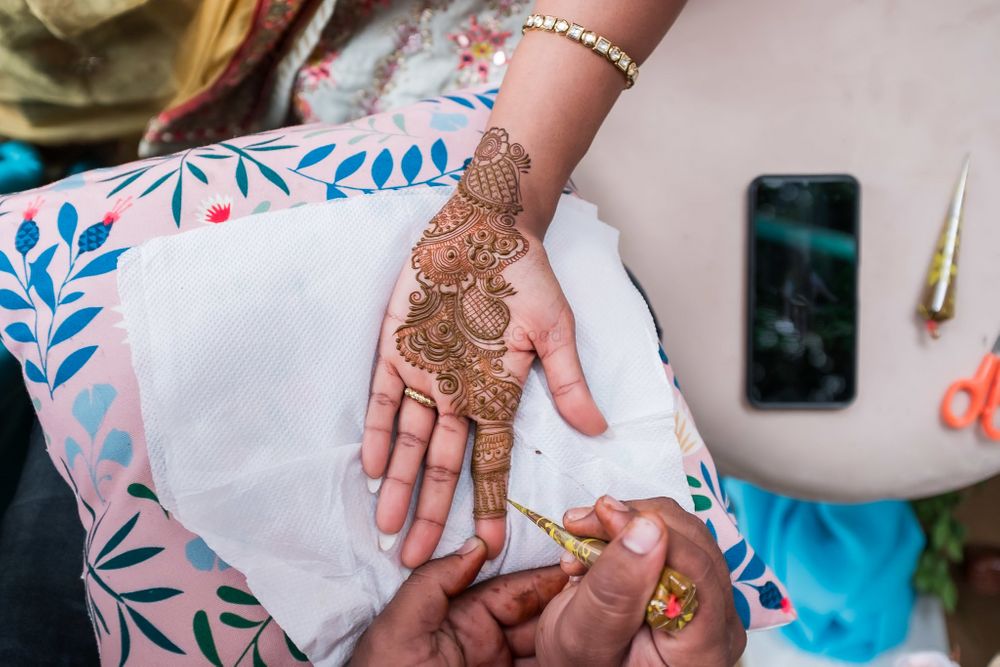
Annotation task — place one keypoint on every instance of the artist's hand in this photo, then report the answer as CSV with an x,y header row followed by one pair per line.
x,y
601,619
472,308
433,620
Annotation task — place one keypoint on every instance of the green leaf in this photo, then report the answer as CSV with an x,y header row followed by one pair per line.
x,y
152,632
272,175
257,660
203,635
694,482
117,538
237,621
949,595
294,650
142,491
241,177
197,173
157,183
151,594
701,502
126,641
130,558
236,596
400,121
128,181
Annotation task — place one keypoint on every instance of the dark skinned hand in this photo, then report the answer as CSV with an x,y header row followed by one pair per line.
x,y
433,620
600,620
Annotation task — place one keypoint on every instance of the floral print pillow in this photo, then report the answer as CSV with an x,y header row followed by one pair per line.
x,y
155,592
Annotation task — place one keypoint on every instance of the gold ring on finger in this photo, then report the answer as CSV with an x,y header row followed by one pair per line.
x,y
422,399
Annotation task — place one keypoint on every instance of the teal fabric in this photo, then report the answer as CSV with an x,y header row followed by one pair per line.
x,y
848,568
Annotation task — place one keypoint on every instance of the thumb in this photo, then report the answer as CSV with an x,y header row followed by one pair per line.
x,y
560,359
421,603
609,607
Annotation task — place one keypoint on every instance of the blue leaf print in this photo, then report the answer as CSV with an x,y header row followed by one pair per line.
x,y
67,222
753,570
333,192
487,102
104,264
413,160
349,166
73,324
34,373
735,555
439,155
201,556
73,449
12,301
70,298
5,265
315,155
742,607
460,100
72,364
448,122
20,332
241,177
117,447
42,281
708,479
91,405
382,168
711,529
197,173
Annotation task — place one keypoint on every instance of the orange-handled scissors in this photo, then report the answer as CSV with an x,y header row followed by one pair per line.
x,y
983,389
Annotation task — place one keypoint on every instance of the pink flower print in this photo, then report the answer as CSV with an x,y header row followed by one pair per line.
x,y
480,48
215,209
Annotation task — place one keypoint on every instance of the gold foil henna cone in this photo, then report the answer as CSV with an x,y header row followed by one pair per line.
x,y
937,304
675,599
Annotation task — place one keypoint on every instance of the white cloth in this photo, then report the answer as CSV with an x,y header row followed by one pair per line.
x,y
253,344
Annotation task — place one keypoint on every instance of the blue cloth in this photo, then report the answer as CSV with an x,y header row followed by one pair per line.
x,y
848,568
20,167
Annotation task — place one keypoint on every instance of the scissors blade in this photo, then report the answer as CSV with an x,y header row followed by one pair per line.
x,y
996,346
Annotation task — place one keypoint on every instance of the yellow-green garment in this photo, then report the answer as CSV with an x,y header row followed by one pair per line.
x,y
88,70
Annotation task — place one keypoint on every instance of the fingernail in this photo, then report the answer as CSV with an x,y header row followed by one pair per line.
x,y
470,545
578,513
615,504
575,579
374,484
641,536
386,540
567,558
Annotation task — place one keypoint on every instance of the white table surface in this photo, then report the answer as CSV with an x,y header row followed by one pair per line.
x,y
893,92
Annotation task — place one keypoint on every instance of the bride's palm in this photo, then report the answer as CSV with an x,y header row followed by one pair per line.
x,y
476,303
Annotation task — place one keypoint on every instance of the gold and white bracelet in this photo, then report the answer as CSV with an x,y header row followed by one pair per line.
x,y
598,44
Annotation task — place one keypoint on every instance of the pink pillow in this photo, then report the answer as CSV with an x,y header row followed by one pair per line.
x,y
153,588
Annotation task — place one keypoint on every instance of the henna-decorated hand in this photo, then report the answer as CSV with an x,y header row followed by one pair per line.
x,y
470,311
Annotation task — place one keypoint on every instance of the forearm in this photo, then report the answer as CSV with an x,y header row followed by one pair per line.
x,y
555,95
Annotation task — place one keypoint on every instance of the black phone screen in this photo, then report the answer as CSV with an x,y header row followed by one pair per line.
x,y
802,333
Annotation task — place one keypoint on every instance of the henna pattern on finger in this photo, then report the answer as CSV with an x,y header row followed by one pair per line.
x,y
458,317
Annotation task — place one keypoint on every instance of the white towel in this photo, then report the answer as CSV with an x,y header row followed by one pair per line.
x,y
253,344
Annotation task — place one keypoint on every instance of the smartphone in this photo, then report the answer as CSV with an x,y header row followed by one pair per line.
x,y
802,319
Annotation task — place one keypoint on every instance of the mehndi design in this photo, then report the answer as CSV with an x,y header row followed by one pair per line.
x,y
457,319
